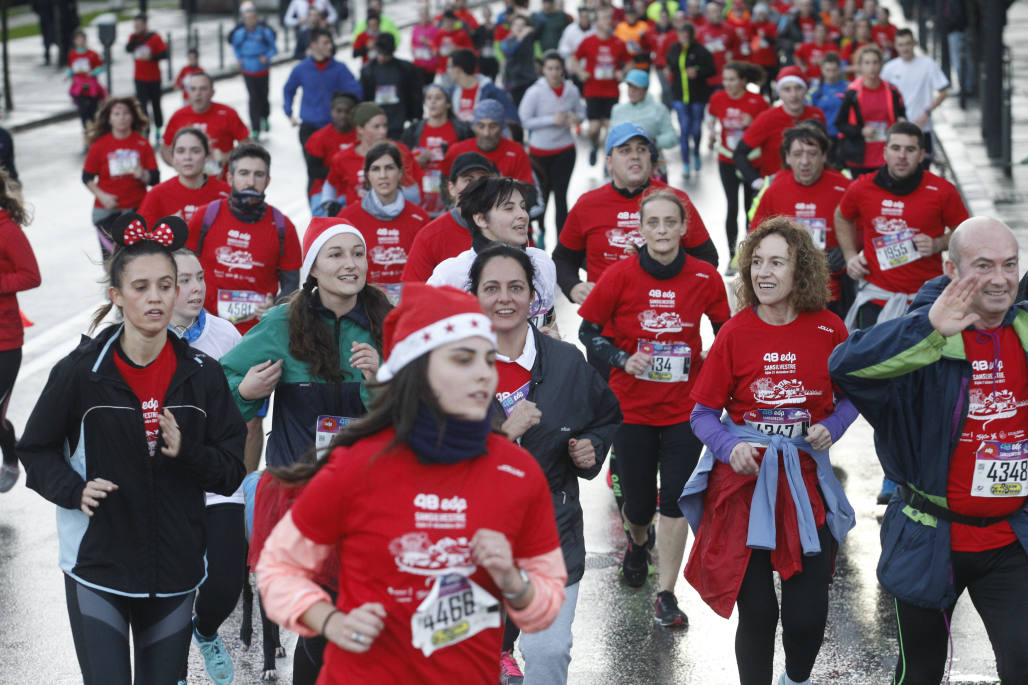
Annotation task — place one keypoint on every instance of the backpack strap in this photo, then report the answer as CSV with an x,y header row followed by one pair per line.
x,y
280,225
209,215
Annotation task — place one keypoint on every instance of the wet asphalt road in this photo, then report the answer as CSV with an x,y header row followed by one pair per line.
x,y
616,640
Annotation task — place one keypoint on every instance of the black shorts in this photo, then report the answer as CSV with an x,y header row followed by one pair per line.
x,y
598,109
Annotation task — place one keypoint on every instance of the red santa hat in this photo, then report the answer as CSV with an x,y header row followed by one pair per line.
x,y
426,318
791,74
319,232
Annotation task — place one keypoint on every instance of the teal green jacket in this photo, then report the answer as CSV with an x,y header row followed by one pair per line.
x,y
300,399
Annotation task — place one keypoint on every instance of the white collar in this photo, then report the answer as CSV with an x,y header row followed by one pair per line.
x,y
527,358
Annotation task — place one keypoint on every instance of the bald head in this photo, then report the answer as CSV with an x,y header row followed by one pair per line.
x,y
985,249
970,236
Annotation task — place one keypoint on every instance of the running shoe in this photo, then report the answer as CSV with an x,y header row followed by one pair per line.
x,y
888,487
696,161
635,567
216,658
265,126
593,154
667,613
510,672
784,680
8,476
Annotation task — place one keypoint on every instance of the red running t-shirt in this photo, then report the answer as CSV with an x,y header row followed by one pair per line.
x,y
605,223
172,198
436,140
647,314
440,239
509,158
220,122
241,262
466,103
767,130
988,472
114,160
731,113
346,172
324,144
719,41
150,384
754,366
812,55
890,221
601,59
147,68
389,242
400,525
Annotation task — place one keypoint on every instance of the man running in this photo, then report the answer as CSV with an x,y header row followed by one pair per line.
x,y
508,157
602,59
220,122
958,521
148,49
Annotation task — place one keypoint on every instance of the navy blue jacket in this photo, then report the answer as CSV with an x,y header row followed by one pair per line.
x,y
911,384
318,86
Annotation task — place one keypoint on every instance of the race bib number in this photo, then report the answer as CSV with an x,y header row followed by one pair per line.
x,y
325,429
392,291
895,250
212,167
432,182
669,362
423,54
1000,469
732,138
237,306
456,609
142,52
604,71
818,229
122,162
386,95
792,423
880,127
80,66
510,401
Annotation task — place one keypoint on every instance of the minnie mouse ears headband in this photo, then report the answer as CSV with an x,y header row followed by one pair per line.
x,y
129,229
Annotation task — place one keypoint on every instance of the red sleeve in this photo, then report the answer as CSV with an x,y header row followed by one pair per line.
x,y
147,158
94,158
148,208
313,146
25,272
756,133
718,310
524,169
602,300
571,235
717,104
418,268
318,512
696,234
291,257
714,384
411,167
580,52
953,210
171,128
157,44
849,205
240,131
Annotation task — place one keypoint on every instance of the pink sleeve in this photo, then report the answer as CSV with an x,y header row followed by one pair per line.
x,y
284,573
548,578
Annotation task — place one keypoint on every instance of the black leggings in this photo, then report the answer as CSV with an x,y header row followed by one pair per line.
x,y
731,183
642,451
87,106
995,579
10,362
260,108
161,630
226,567
315,169
556,178
150,92
804,614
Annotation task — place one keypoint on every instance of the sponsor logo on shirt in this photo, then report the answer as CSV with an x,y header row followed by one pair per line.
x,y
892,207
664,322
886,226
388,256
511,470
1000,404
235,259
238,239
805,209
790,391
416,553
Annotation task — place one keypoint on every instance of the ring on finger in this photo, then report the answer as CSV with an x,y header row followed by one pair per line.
x,y
357,637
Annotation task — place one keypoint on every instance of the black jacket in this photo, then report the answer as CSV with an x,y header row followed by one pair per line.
x,y
853,149
695,56
575,402
147,537
393,80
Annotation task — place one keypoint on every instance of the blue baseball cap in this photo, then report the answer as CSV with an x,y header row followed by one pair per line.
x,y
638,78
624,132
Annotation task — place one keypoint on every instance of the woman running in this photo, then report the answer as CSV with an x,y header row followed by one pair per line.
x,y
132,428
84,69
18,271
386,220
559,409
549,111
120,164
735,107
766,468
223,518
192,188
441,525
317,351
651,306
869,107
429,139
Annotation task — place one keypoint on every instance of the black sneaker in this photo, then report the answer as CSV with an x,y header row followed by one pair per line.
x,y
635,567
667,613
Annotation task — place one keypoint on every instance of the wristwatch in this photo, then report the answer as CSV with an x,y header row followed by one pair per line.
x,y
526,583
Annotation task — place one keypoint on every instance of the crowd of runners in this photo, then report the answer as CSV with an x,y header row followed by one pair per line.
x,y
414,515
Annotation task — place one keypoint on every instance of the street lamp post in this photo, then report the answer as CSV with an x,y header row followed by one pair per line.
x,y
8,99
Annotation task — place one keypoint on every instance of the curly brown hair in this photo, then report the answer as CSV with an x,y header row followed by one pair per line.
x,y
311,339
101,125
11,200
810,278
